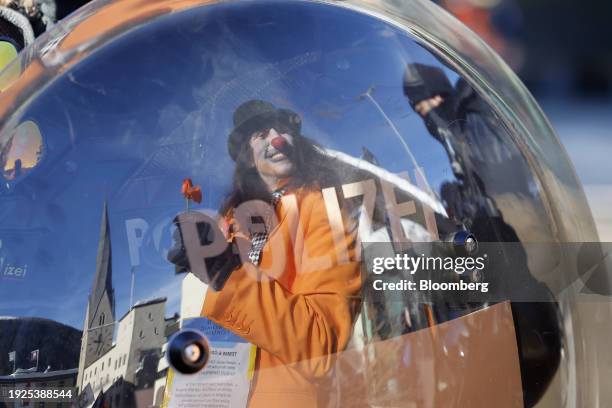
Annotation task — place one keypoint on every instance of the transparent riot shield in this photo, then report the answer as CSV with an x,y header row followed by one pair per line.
x,y
282,203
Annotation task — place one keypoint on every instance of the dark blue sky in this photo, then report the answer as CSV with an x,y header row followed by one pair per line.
x,y
153,107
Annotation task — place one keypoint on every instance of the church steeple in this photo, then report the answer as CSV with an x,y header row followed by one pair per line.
x,y
102,291
99,325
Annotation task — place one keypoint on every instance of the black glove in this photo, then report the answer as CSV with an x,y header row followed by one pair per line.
x,y
422,82
213,270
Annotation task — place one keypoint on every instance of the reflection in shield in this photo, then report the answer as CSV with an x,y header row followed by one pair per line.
x,y
119,357
20,150
428,153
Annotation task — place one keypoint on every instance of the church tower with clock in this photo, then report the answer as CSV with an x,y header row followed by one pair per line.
x,y
99,326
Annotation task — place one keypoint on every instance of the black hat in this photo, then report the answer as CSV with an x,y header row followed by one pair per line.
x,y
256,115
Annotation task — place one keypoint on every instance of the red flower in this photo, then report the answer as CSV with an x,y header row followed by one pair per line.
x,y
190,192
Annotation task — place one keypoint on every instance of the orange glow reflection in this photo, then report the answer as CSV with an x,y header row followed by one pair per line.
x,y
20,150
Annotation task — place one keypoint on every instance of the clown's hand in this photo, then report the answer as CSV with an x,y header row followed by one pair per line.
x,y
201,248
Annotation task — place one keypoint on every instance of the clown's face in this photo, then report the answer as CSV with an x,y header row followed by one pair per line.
x,y
273,155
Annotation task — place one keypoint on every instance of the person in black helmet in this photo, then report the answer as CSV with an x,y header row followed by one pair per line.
x,y
462,122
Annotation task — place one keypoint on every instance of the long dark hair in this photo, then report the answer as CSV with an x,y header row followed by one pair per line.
x,y
312,169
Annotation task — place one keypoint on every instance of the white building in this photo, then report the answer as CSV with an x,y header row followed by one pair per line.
x,y
141,331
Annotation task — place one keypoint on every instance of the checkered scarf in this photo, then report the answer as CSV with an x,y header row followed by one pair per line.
x,y
259,239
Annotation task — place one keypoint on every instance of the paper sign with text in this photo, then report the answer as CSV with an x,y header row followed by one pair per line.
x,y
226,379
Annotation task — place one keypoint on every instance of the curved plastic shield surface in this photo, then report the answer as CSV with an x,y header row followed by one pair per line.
x,y
281,203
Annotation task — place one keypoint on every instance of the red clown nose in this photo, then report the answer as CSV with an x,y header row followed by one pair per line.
x,y
279,143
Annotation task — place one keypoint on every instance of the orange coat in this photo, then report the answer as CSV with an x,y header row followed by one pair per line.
x,y
298,307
